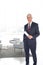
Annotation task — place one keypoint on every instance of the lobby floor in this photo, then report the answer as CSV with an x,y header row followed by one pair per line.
x,y
9,56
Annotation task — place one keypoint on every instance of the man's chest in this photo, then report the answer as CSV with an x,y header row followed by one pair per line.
x,y
31,30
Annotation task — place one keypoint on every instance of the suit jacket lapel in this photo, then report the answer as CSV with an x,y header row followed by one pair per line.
x,y
27,26
32,25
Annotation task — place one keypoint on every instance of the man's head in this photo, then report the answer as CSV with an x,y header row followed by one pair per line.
x,y
29,18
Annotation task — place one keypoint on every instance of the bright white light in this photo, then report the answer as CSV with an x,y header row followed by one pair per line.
x,y
13,16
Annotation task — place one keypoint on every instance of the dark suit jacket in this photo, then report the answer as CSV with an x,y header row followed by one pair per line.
x,y
34,31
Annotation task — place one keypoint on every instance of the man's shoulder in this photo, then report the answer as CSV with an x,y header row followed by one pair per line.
x,y
26,24
35,23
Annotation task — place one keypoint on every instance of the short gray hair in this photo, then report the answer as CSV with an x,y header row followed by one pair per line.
x,y
29,15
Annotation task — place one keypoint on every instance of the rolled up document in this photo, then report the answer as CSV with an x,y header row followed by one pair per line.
x,y
26,33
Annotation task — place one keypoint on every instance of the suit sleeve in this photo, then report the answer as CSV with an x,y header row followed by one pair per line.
x,y
37,33
23,34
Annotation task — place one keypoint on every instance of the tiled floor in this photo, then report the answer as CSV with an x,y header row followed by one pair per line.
x,y
17,61
13,61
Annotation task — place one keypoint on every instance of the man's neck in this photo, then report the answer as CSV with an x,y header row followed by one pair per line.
x,y
30,23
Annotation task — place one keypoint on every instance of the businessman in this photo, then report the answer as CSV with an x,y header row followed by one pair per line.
x,y
31,32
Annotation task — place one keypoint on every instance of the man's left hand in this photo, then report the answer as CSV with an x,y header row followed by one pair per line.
x,y
30,37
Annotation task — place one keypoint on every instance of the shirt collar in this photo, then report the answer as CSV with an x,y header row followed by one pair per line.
x,y
30,23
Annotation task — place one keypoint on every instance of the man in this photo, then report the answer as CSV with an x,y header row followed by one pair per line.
x,y
29,38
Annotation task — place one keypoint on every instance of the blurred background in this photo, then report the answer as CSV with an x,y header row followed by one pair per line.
x,y
12,20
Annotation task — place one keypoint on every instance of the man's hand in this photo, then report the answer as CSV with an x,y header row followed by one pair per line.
x,y
30,36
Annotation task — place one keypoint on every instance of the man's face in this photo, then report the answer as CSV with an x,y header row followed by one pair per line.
x,y
29,18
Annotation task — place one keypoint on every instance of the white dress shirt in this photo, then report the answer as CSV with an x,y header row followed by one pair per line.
x,y
25,31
